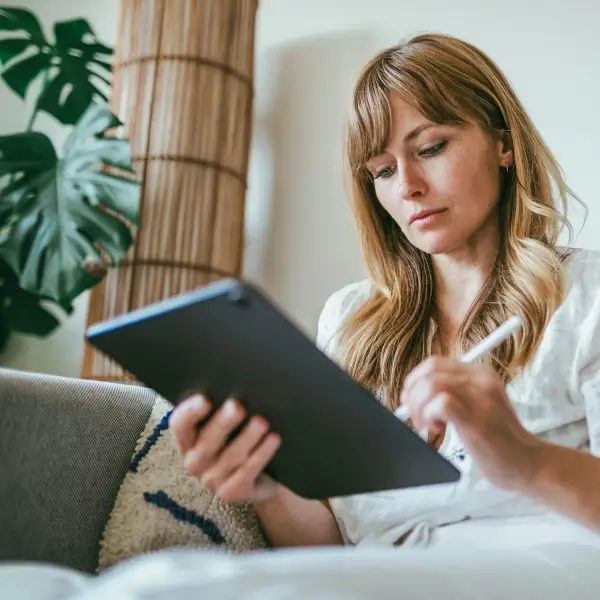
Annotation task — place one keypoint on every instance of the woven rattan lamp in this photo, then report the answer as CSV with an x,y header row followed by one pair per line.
x,y
183,86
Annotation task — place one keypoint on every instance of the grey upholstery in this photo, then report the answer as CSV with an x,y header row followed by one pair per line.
x,y
65,445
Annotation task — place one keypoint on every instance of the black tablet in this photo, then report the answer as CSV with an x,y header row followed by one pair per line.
x,y
228,339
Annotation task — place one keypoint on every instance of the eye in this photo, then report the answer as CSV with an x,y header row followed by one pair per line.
x,y
384,173
433,150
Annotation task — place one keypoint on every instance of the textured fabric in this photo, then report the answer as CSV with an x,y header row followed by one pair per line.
x,y
65,445
459,571
158,506
557,398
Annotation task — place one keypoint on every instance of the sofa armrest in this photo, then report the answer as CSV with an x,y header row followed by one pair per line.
x,y
65,445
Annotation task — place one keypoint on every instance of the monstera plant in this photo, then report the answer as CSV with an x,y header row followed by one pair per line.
x,y
65,216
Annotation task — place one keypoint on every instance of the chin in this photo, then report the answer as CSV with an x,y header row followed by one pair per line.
x,y
435,244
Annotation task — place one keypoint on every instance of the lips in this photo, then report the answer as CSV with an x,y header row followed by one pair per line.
x,y
424,214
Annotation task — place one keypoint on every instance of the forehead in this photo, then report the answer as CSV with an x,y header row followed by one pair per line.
x,y
403,116
384,111
408,124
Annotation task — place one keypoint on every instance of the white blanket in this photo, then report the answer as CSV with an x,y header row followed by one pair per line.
x,y
516,559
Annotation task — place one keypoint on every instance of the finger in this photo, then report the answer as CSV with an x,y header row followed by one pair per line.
x,y
423,391
184,419
432,364
242,483
486,379
212,438
236,453
437,366
438,411
454,407
263,488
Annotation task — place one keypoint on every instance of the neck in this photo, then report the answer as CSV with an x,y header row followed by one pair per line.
x,y
459,277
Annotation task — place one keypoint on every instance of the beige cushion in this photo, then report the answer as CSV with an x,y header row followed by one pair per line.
x,y
159,506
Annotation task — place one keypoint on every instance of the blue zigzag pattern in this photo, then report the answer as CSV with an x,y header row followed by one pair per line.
x,y
185,515
162,500
162,425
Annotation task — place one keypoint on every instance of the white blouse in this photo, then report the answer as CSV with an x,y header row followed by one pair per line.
x,y
557,398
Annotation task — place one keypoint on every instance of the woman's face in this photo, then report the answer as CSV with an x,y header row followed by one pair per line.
x,y
440,183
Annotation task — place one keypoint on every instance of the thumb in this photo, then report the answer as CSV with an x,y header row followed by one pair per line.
x,y
435,413
264,487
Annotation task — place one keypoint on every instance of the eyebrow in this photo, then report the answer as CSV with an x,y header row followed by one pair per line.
x,y
411,135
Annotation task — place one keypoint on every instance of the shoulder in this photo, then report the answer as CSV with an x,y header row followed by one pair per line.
x,y
575,327
340,305
577,331
578,262
582,275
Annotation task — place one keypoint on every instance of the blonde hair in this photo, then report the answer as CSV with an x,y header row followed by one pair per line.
x,y
449,81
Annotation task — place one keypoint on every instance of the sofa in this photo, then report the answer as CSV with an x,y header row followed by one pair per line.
x,y
70,457
66,448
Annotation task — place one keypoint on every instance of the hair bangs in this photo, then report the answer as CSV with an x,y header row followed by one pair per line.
x,y
369,123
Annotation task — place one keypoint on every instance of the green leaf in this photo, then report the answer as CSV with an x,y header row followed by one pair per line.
x,y
15,19
23,56
12,47
20,74
30,152
26,314
64,222
77,67
5,332
20,311
75,33
77,47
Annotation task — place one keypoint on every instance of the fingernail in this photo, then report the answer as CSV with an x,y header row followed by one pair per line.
x,y
402,411
197,402
257,424
229,410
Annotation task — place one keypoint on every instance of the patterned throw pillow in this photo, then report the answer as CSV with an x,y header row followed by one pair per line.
x,y
159,506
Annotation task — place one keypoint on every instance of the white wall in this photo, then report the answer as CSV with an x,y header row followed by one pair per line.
x,y
301,244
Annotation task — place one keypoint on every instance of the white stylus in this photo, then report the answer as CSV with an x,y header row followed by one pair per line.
x,y
487,344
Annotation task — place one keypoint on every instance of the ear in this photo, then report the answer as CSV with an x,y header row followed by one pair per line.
x,y
506,158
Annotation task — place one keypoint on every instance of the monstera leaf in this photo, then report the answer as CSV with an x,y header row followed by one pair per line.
x,y
63,221
75,69
20,311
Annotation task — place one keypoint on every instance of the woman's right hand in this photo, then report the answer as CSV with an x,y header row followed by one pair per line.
x,y
233,470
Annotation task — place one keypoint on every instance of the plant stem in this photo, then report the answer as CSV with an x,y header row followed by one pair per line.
x,y
32,117
36,106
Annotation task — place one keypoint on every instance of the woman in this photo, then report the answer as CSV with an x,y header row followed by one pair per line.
x,y
459,204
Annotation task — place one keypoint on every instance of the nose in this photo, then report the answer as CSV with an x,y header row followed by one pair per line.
x,y
411,183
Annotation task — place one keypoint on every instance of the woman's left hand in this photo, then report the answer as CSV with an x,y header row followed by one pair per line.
x,y
473,398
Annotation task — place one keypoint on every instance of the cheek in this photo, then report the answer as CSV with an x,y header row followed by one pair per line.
x,y
388,198
475,184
